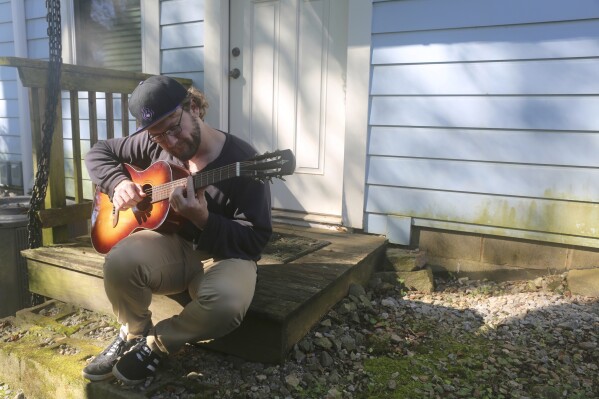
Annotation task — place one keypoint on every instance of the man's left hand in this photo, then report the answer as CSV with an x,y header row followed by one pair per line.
x,y
190,204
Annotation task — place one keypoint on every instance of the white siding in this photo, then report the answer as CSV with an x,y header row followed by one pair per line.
x,y
37,38
182,39
37,43
484,117
10,152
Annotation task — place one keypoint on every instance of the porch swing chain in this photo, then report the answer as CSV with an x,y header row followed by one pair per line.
x,y
40,186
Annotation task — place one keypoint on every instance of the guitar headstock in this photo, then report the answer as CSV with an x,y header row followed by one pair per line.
x,y
268,165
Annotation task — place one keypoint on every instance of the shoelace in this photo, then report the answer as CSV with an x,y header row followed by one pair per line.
x,y
144,351
116,345
145,356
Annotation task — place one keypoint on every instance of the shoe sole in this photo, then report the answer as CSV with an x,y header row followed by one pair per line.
x,y
123,379
96,377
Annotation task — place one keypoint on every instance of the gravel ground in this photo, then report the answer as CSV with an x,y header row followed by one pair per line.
x,y
469,339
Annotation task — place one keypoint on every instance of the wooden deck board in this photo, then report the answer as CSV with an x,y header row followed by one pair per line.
x,y
57,257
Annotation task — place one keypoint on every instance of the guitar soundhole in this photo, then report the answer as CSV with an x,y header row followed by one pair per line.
x,y
146,204
143,210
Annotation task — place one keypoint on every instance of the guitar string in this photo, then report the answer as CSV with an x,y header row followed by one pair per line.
x,y
157,192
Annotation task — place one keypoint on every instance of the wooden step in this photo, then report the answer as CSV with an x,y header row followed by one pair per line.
x,y
292,293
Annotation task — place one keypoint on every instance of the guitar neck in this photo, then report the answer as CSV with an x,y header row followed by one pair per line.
x,y
201,179
209,177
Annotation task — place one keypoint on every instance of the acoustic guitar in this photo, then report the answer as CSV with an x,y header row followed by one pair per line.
x,y
158,182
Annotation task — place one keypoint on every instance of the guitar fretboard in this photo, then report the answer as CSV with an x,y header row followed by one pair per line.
x,y
201,179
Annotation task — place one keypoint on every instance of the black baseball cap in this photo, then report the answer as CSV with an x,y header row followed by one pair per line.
x,y
154,99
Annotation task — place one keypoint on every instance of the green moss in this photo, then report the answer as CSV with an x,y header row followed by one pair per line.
x,y
316,390
30,347
433,364
39,349
46,368
379,344
65,330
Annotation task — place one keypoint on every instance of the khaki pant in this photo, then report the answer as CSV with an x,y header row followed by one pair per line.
x,y
148,262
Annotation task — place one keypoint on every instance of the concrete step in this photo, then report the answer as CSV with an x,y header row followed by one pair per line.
x,y
45,347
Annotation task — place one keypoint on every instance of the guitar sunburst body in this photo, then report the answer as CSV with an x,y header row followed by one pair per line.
x,y
148,214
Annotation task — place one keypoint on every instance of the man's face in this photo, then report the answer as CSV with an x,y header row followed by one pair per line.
x,y
179,134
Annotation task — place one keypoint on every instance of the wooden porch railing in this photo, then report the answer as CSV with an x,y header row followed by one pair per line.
x,y
97,84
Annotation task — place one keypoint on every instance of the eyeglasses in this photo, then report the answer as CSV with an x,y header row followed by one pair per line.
x,y
172,131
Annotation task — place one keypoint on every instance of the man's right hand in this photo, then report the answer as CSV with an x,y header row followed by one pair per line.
x,y
126,195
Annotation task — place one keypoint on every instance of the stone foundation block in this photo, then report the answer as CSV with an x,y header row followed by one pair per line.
x,y
584,282
584,259
447,245
527,255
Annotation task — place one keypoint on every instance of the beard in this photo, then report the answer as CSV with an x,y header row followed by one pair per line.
x,y
187,146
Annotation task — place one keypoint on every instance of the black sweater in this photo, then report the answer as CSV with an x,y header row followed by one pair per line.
x,y
239,223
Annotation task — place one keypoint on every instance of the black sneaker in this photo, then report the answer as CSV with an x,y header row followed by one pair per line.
x,y
101,367
137,364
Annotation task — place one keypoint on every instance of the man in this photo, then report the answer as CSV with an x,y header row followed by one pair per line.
x,y
228,222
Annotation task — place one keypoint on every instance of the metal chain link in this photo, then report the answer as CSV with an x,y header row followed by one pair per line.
x,y
38,193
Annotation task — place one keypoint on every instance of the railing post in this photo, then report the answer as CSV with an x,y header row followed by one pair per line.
x,y
56,193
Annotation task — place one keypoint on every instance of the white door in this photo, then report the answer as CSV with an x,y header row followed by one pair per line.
x,y
291,57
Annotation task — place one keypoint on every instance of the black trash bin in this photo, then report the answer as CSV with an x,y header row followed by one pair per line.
x,y
14,290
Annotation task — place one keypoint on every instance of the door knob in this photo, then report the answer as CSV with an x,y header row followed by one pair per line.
x,y
234,73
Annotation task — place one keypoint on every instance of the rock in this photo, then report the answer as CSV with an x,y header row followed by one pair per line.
x,y
326,323
587,345
390,303
325,359
396,339
356,290
299,356
305,345
348,343
333,393
392,385
346,307
463,280
292,380
584,282
403,260
448,388
364,301
194,375
313,363
421,280
553,283
538,282
323,342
